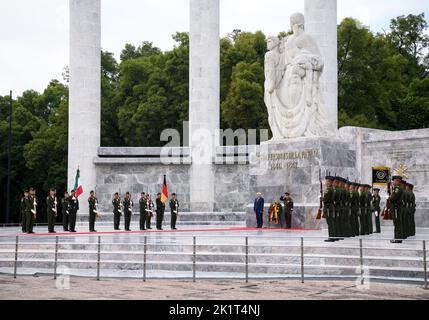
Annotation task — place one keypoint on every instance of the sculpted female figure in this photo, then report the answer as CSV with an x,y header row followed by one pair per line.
x,y
293,68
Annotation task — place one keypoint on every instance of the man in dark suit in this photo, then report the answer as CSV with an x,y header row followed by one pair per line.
x,y
259,209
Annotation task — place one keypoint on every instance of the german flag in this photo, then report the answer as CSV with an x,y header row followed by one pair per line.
x,y
164,194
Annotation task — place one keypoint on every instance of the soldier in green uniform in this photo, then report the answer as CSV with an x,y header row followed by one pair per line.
x,y
149,211
142,203
376,209
347,208
406,209
117,211
128,210
31,210
329,209
368,209
287,209
73,209
65,209
174,207
93,211
160,210
396,203
337,207
410,188
354,209
363,211
51,210
23,212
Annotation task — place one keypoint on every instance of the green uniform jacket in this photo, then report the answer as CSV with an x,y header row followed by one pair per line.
x,y
376,200
73,205
65,206
142,203
160,206
128,205
50,205
396,200
92,202
337,201
328,202
116,205
174,206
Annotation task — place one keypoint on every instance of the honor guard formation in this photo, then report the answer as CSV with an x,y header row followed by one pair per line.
x,y
348,208
70,207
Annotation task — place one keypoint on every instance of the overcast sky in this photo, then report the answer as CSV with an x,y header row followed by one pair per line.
x,y
34,33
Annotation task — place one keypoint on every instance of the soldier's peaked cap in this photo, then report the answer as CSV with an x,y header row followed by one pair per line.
x,y
329,178
397,178
376,189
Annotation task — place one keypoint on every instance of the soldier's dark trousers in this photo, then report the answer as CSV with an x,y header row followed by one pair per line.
x,y
354,224
24,222
30,222
66,221
370,224
127,217
173,220
116,220
378,224
413,224
72,220
92,217
398,223
148,221
288,220
338,226
51,222
159,219
142,221
362,224
331,227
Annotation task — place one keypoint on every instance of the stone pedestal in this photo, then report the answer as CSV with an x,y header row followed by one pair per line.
x,y
293,166
85,91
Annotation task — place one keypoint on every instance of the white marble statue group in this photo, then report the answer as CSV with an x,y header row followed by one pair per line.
x,y
293,67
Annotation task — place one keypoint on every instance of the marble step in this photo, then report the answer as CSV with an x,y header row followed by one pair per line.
x,y
238,269
88,258
183,217
186,275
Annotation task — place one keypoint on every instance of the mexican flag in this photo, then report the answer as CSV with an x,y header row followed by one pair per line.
x,y
77,186
164,194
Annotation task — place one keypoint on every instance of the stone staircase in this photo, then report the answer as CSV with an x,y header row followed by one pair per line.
x,y
194,219
172,256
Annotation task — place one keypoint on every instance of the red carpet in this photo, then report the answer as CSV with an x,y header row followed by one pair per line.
x,y
159,231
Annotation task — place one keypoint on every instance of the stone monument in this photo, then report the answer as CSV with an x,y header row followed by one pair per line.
x,y
293,67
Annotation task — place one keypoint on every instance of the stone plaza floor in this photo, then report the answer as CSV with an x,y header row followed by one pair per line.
x,y
44,288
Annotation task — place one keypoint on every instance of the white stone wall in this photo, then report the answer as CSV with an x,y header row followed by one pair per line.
x,y
85,91
204,99
321,23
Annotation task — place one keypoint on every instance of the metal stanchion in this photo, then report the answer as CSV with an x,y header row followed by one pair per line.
x,y
302,260
247,259
98,258
194,261
15,268
362,280
425,265
56,258
144,259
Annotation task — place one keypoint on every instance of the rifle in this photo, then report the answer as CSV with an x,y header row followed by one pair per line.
x,y
386,214
320,213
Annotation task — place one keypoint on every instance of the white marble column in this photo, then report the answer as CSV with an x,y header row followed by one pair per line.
x,y
204,100
321,23
85,91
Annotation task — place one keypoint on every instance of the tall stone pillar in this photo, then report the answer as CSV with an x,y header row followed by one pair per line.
x,y
204,100
85,91
321,23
